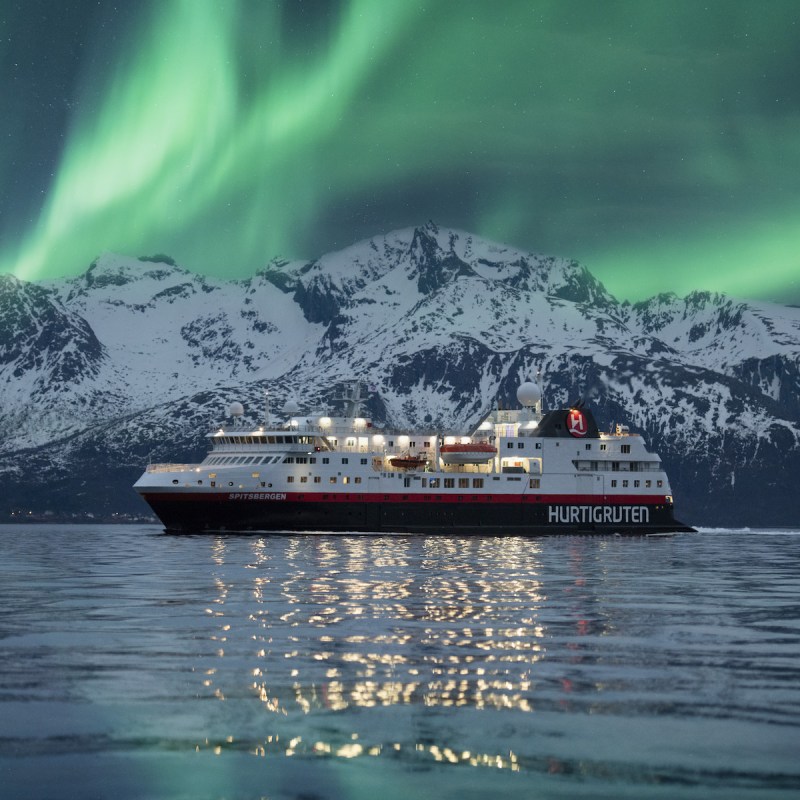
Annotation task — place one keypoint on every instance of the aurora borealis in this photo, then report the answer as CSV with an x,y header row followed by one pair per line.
x,y
657,143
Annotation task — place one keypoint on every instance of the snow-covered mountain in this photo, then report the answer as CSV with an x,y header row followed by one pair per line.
x,y
136,358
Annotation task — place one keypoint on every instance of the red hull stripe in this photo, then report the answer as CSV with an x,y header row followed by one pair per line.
x,y
270,495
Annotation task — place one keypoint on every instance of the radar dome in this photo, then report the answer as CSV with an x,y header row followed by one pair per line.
x,y
235,409
529,394
291,407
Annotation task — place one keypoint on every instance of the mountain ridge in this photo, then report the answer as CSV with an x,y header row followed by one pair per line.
x,y
441,322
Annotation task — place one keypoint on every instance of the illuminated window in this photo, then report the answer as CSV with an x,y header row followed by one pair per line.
x,y
357,480
332,479
534,483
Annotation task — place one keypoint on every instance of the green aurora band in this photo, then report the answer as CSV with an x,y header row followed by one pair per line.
x,y
656,143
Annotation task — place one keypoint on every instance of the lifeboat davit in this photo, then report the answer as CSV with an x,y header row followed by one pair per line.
x,y
472,453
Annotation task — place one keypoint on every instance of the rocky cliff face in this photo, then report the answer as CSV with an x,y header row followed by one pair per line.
x,y
137,359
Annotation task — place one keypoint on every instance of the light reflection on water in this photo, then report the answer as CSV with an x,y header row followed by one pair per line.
x,y
652,667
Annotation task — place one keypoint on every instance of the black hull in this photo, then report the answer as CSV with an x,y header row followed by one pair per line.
x,y
209,514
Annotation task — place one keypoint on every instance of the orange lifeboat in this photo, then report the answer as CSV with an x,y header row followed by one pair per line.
x,y
408,462
472,453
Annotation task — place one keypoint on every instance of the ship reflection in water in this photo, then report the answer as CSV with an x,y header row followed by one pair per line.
x,y
337,624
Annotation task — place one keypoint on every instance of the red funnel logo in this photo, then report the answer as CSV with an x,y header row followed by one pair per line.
x,y
576,423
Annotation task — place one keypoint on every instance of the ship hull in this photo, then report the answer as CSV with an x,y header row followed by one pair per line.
x,y
275,512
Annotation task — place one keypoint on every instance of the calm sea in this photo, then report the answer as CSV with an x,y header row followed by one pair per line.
x,y
139,665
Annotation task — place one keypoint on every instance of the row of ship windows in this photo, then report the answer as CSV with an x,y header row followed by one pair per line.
x,y
617,466
253,460
436,483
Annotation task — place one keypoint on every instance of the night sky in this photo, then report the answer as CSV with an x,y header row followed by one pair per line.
x,y
656,142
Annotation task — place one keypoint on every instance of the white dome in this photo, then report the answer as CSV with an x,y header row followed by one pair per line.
x,y
291,407
529,394
235,409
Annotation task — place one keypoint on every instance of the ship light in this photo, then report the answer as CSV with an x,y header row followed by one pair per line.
x,y
402,440
324,422
294,423
466,440
532,424
449,439
359,422
377,439
485,425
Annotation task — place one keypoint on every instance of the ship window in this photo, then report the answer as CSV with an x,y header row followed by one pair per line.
x,y
624,484
175,481
332,479
520,445
357,480
326,461
317,479
345,461
270,439
412,444
463,483
534,483
303,479
212,474
301,460
659,484
290,479
636,483
588,447
256,475
613,483
424,483
538,445
602,447
312,460
648,484
363,460
213,483
426,444
345,479
449,483
406,482
230,483
433,483
262,484
625,448
509,445
477,483
615,466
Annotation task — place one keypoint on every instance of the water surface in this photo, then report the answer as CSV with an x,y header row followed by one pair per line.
x,y
139,665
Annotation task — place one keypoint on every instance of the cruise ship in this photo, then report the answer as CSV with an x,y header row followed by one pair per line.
x,y
521,472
